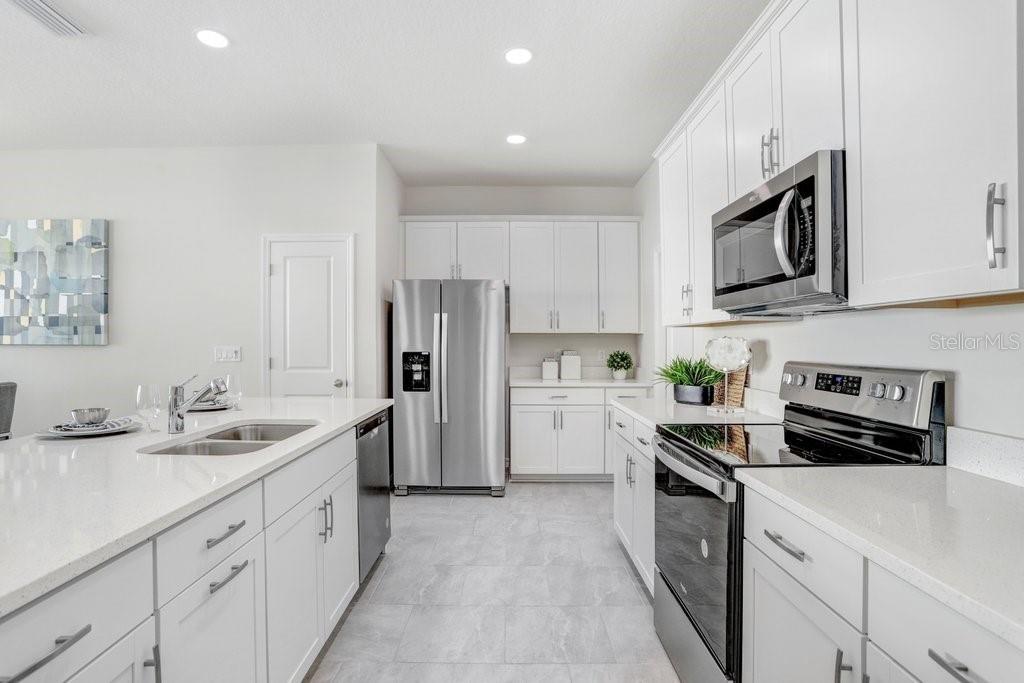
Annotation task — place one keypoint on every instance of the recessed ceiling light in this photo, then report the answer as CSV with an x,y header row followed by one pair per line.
x,y
212,38
515,139
518,55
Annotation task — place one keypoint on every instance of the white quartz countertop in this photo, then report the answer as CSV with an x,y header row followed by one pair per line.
x,y
662,410
581,383
67,506
953,534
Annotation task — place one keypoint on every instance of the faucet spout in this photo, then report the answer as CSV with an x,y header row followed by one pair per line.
x,y
178,405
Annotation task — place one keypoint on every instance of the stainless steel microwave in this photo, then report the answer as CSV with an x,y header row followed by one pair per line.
x,y
780,250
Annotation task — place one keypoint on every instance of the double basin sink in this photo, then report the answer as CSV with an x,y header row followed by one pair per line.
x,y
243,438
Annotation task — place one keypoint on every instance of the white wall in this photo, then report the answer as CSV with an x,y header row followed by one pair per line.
x,y
390,254
528,350
519,200
185,226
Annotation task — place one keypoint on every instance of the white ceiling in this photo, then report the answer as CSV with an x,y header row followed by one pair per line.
x,y
426,79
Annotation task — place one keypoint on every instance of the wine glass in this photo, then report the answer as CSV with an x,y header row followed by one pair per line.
x,y
234,392
148,403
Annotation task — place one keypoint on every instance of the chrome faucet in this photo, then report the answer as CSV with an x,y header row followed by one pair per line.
x,y
177,405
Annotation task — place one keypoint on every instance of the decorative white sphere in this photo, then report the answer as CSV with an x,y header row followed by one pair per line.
x,y
728,354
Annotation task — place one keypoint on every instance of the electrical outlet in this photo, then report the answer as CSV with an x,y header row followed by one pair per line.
x,y
227,354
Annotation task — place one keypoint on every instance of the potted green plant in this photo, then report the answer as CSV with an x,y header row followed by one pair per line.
x,y
620,363
693,380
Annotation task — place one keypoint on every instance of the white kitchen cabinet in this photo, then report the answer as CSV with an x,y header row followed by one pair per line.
x,y
341,548
673,197
807,64
622,492
577,302
619,276
534,439
431,250
643,518
532,276
482,250
748,94
789,634
215,630
932,102
133,659
879,668
709,192
580,440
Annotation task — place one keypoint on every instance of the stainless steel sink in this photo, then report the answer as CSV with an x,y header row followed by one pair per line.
x,y
211,447
259,432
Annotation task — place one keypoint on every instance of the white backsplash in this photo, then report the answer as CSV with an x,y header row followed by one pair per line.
x,y
526,351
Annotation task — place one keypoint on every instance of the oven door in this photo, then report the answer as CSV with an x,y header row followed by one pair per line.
x,y
696,546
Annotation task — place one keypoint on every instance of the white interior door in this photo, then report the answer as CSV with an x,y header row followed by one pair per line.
x,y
309,318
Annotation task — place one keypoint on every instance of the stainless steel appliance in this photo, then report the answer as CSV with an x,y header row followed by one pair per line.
x,y
449,377
373,474
835,415
780,250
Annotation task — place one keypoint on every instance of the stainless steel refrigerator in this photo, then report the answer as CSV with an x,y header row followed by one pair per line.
x,y
449,381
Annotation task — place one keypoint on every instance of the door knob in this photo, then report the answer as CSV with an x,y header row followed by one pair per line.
x,y
340,383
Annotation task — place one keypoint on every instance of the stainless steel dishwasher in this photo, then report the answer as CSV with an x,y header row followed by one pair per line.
x,y
373,451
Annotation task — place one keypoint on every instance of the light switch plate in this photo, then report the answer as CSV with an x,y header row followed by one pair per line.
x,y
227,354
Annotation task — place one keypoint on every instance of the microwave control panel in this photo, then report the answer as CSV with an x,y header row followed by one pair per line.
x,y
416,371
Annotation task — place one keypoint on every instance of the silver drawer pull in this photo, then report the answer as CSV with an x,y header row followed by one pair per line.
x,y
327,525
840,667
644,441
330,504
236,569
991,202
155,663
559,396
63,644
621,426
232,528
951,666
786,546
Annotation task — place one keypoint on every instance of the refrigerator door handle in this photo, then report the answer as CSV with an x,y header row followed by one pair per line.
x,y
436,390
444,368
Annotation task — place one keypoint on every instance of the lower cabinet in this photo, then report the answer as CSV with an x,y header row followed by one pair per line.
x,y
133,659
215,630
879,668
557,440
788,633
623,492
633,507
341,553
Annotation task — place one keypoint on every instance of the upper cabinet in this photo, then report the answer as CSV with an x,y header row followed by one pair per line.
x,y
470,250
619,271
430,250
576,277
531,291
673,197
482,250
751,126
932,149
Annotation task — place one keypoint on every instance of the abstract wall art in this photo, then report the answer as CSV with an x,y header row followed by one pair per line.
x,y
53,281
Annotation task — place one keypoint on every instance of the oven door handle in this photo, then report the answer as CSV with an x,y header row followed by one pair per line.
x,y
685,467
781,247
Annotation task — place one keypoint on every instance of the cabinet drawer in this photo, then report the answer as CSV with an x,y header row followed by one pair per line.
x,y
831,570
643,437
556,396
916,630
623,425
195,546
93,613
293,482
624,393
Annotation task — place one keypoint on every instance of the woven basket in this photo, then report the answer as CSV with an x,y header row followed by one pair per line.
x,y
737,384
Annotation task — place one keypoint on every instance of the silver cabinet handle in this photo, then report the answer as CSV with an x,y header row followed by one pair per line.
x,y
458,271
451,271
330,503
602,320
951,666
236,569
643,441
232,528
786,546
781,247
558,320
154,662
551,320
554,419
774,155
327,525
561,419
991,201
621,426
629,470
609,418
444,368
558,396
63,644
765,170
840,667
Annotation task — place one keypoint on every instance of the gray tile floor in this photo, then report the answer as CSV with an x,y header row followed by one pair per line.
x,y
529,587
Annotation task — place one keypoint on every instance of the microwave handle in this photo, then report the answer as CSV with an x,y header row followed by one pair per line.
x,y
781,248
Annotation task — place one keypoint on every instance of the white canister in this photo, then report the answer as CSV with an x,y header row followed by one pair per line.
x,y
549,369
571,365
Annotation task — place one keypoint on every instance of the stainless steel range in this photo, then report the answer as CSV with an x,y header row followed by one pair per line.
x,y
835,415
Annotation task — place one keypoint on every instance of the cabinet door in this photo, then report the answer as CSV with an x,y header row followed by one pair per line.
x,y
534,435
643,519
125,661
531,277
709,192
879,668
748,91
619,273
808,63
483,250
295,615
581,440
341,551
215,630
430,250
788,634
673,189
576,278
623,492
931,104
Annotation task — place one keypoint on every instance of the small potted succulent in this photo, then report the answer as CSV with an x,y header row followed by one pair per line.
x,y
620,363
693,380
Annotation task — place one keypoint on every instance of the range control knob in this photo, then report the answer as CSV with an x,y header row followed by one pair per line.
x,y
800,379
877,390
787,378
896,392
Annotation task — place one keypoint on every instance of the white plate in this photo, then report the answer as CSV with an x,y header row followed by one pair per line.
x,y
118,426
